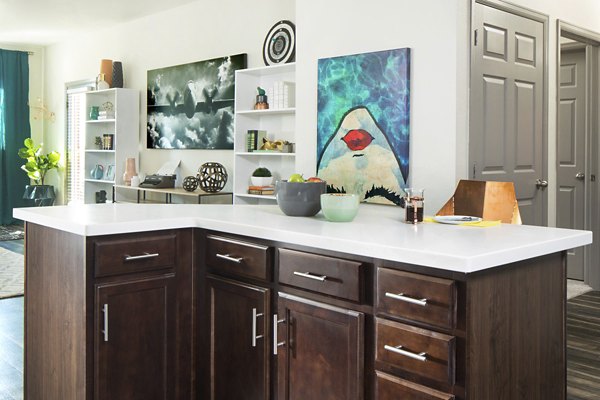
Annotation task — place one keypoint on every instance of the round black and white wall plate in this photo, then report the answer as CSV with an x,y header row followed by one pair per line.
x,y
280,43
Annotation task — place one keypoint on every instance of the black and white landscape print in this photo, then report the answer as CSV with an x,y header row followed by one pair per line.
x,y
191,106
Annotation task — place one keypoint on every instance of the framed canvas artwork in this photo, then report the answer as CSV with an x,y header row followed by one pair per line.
x,y
363,124
191,106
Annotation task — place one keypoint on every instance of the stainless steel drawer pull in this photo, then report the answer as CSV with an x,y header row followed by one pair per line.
x,y
320,278
229,258
140,257
105,330
398,350
255,315
276,344
402,297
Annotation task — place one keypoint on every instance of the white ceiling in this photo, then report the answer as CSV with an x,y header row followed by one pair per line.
x,y
43,22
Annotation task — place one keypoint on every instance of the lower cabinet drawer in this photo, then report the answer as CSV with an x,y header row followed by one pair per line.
x,y
329,275
389,387
419,351
236,257
134,253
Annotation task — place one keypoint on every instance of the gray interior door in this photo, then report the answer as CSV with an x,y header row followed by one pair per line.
x,y
507,136
570,211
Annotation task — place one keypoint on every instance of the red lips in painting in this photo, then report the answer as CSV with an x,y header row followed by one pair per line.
x,y
357,139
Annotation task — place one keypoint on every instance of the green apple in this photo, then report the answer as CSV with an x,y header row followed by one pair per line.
x,y
296,178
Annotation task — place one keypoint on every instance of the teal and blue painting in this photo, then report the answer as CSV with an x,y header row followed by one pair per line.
x,y
363,124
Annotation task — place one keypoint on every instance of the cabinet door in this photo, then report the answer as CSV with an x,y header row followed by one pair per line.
x,y
134,340
321,351
239,329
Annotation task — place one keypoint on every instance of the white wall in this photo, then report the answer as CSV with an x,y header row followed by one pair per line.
x,y
432,29
194,32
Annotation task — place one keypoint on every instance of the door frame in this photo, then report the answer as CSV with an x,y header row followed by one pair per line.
x,y
544,19
591,255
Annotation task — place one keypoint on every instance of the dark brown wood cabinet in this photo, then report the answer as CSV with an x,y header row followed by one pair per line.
x,y
320,352
239,337
135,340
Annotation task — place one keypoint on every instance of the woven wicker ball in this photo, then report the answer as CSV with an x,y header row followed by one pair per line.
x,y
212,177
190,183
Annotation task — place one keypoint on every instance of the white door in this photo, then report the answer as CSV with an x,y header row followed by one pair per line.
x,y
507,136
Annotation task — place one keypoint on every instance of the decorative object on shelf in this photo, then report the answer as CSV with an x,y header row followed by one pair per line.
x,y
110,172
117,74
191,106
190,183
94,110
280,43
108,141
363,131
261,100
135,181
101,83
101,197
99,142
261,177
106,67
97,172
212,177
282,146
106,111
282,94
130,171
36,167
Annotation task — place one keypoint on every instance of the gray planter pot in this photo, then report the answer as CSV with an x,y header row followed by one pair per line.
x,y
39,195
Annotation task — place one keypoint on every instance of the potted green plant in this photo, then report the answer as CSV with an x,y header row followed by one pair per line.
x,y
36,167
261,177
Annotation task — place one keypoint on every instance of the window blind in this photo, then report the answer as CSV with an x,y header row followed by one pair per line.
x,y
75,144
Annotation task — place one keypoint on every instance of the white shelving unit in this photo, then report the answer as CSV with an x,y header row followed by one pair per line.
x,y
124,127
279,124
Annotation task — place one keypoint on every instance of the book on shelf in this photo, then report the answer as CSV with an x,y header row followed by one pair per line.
x,y
262,190
254,139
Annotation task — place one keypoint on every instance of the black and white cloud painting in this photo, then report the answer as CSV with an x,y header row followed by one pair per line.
x,y
191,106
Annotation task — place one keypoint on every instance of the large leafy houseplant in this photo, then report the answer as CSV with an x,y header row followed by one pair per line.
x,y
36,167
38,164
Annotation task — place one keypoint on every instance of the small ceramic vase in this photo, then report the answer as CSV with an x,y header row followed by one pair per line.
x,y
97,172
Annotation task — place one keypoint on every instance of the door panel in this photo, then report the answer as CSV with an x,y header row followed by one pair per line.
x,y
507,138
570,212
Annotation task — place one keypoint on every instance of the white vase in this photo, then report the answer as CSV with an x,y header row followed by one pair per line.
x,y
261,180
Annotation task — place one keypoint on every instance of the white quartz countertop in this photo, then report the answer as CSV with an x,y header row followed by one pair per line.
x,y
377,231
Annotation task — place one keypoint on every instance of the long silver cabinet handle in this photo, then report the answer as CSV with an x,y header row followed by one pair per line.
x,y
255,315
140,257
320,278
398,350
229,258
276,344
402,297
105,330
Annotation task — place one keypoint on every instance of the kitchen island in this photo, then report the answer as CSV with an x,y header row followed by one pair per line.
x,y
384,308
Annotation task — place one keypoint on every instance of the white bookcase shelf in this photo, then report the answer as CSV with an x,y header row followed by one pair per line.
x,y
278,122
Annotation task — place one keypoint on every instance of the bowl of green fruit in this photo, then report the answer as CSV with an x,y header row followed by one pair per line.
x,y
299,197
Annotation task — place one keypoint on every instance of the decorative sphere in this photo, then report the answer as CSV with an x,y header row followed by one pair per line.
x,y
212,177
190,183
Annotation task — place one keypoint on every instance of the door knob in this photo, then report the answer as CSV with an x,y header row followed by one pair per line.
x,y
541,183
580,176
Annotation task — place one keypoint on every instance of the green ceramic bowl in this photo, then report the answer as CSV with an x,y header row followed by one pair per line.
x,y
339,207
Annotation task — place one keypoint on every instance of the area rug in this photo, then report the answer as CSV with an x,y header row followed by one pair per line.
x,y
11,232
12,274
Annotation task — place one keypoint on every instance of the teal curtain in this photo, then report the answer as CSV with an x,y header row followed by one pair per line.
x,y
14,128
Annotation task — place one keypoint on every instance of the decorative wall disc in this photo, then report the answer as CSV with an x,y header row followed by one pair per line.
x,y
280,43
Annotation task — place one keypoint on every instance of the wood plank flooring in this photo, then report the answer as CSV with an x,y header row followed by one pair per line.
x,y
583,347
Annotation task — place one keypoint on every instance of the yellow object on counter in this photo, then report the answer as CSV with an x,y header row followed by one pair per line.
x,y
481,224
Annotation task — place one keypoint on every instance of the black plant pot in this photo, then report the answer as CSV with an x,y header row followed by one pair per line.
x,y
39,195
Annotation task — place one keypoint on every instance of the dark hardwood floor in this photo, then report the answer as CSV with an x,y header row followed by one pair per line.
x,y
583,347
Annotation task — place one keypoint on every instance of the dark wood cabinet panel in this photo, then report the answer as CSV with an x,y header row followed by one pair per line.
x,y
328,275
235,257
135,340
239,340
128,254
419,351
416,297
322,354
389,387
